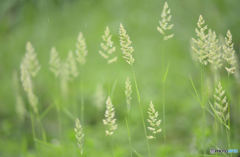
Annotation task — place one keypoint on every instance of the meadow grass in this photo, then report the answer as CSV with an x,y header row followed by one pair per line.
x,y
51,109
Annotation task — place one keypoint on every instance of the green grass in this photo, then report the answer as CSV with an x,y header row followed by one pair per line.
x,y
57,23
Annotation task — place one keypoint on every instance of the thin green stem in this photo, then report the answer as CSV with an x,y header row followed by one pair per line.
x,y
141,111
59,120
203,107
82,103
164,102
111,145
81,95
33,126
163,108
42,128
129,136
228,131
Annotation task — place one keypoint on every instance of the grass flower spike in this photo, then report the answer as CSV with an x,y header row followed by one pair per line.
x,y
128,92
55,62
107,47
81,49
154,122
79,134
215,55
73,71
229,54
200,43
99,97
28,87
110,120
31,60
220,107
65,70
126,45
29,68
164,24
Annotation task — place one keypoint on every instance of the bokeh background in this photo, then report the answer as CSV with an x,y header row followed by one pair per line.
x,y
48,23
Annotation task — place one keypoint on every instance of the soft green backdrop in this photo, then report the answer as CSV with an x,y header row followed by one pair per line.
x,y
48,23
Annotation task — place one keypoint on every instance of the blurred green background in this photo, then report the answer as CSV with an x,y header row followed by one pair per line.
x,y
48,23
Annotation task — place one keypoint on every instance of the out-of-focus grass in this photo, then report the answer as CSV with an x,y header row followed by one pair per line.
x,y
57,23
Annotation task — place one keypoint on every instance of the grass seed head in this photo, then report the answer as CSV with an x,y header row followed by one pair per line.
x,y
81,49
55,62
128,92
31,60
73,71
200,43
79,134
154,122
107,47
221,105
214,49
110,120
165,24
229,54
126,45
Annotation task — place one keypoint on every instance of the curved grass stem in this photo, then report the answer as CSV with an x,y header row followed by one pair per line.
x,y
141,111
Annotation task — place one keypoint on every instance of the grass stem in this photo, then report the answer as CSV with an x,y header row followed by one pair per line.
x,y
141,111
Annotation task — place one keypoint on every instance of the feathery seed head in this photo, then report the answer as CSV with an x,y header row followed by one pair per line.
x,y
20,108
128,92
107,47
165,23
65,70
29,68
126,45
110,120
79,134
213,46
28,87
25,77
31,60
229,54
200,43
99,96
221,105
81,49
55,62
72,64
154,122
33,101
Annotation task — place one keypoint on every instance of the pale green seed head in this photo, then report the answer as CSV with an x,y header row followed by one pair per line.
x,y
153,121
79,135
107,47
81,49
109,121
126,45
165,26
